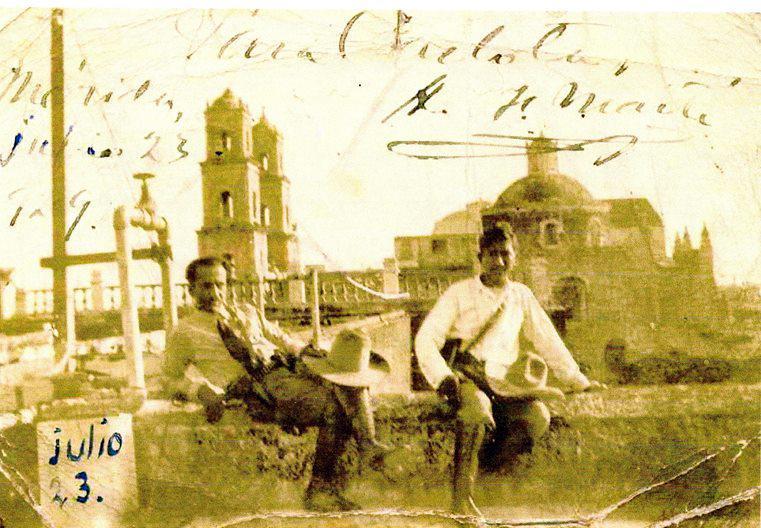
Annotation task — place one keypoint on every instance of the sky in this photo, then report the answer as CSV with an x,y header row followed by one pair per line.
x,y
691,82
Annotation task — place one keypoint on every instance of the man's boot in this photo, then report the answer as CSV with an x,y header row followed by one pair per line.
x,y
501,454
468,440
324,497
329,480
356,402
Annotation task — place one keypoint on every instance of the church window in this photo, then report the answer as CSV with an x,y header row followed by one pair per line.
x,y
265,162
226,204
265,215
550,231
226,142
594,233
569,296
551,234
438,246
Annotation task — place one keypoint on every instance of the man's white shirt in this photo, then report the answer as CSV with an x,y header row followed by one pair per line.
x,y
462,311
195,354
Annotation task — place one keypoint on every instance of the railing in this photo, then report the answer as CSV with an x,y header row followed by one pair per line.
x,y
34,302
334,289
112,298
98,299
83,299
275,292
429,285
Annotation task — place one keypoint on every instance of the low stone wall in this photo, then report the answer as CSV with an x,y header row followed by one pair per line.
x,y
600,448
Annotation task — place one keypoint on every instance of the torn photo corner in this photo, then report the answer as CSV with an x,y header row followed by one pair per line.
x,y
401,208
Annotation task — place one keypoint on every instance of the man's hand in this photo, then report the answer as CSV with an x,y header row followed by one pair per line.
x,y
292,429
287,359
449,389
311,351
178,398
595,385
214,412
214,405
240,388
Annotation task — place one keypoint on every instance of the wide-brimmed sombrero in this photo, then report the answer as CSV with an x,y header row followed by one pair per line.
x,y
526,379
348,362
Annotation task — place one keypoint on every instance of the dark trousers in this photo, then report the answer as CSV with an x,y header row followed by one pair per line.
x,y
518,424
303,400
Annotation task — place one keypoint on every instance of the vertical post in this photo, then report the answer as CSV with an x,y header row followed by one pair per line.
x,y
8,301
130,327
296,293
61,308
390,276
7,294
167,281
96,287
315,307
21,302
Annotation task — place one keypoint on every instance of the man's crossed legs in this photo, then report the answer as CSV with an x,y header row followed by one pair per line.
x,y
302,400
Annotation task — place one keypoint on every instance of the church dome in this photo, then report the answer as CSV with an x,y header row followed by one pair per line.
x,y
547,189
544,185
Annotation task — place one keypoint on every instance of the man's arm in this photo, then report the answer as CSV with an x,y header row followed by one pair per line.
x,y
272,331
281,339
176,360
538,328
431,337
182,379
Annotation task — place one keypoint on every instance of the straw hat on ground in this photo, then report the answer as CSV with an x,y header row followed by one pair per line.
x,y
348,361
526,379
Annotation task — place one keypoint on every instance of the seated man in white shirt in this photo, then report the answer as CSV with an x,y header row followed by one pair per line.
x,y
489,312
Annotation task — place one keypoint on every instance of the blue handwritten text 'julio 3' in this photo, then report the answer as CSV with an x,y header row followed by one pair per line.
x,y
112,446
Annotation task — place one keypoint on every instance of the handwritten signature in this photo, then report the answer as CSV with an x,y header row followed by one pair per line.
x,y
523,98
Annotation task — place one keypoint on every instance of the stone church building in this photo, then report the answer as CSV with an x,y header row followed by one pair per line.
x,y
246,195
599,267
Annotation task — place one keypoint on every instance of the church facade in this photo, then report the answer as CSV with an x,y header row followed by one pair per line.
x,y
246,196
598,267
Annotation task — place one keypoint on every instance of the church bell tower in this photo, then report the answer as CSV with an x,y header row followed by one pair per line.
x,y
232,194
282,243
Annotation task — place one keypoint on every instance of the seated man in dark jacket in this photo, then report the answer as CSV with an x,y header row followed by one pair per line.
x,y
223,351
